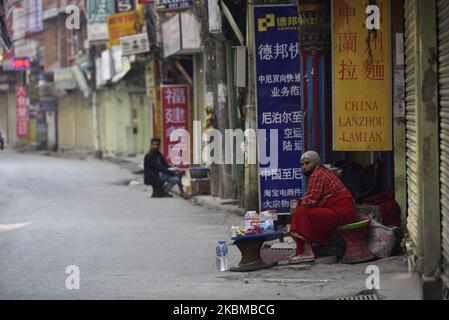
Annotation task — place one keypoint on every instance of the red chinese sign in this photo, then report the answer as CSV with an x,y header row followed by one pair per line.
x,y
22,111
175,116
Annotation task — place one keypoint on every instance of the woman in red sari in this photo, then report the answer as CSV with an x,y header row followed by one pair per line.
x,y
326,205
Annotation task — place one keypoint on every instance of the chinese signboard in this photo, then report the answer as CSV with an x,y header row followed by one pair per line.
x,y
168,5
175,115
123,24
362,97
22,111
278,104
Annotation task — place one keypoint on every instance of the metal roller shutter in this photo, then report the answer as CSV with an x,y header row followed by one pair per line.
x,y
443,82
413,218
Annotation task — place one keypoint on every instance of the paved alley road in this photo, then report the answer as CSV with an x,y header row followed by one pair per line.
x,y
57,212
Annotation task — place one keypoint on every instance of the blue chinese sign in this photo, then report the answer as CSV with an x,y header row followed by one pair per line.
x,y
172,5
279,108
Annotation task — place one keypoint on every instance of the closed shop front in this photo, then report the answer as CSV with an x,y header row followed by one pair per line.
x,y
443,84
411,75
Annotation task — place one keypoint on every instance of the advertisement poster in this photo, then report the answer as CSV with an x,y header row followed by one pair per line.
x,y
278,105
98,12
134,44
124,24
22,112
175,115
362,73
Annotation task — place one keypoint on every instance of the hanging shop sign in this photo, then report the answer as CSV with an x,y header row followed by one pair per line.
x,y
97,32
135,44
98,12
20,63
34,15
172,5
64,79
22,112
19,18
175,101
181,34
26,47
279,107
214,14
124,5
124,24
81,80
362,78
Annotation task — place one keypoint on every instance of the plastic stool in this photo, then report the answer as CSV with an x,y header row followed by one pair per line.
x,y
354,235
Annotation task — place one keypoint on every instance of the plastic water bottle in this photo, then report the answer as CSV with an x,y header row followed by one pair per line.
x,y
222,256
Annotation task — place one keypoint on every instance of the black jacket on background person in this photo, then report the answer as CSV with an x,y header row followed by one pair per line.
x,y
153,163
2,139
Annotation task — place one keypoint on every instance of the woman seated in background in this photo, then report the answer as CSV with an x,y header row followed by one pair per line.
x,y
326,205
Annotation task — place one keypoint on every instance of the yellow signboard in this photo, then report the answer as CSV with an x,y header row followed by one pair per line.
x,y
362,76
124,24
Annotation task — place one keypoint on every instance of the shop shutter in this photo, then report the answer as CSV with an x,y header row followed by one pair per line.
x,y
443,76
413,214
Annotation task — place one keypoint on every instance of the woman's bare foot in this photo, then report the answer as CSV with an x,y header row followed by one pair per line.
x,y
301,259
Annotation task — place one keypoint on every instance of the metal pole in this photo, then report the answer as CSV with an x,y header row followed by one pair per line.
x,y
251,170
226,190
93,104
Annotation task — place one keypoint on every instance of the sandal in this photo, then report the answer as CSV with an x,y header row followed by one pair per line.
x,y
300,260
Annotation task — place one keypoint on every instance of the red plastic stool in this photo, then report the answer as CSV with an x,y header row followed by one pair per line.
x,y
354,235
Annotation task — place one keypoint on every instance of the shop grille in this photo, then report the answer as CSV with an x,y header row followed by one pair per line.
x,y
362,297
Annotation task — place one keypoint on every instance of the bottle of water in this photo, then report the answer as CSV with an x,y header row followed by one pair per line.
x,y
222,256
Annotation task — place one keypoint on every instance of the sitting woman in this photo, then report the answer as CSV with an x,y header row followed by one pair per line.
x,y
326,205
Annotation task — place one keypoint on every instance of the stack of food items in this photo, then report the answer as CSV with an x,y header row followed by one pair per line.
x,y
255,223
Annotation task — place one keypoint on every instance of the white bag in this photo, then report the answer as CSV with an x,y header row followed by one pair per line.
x,y
381,239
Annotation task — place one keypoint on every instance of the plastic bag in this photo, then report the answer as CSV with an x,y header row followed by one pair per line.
x,y
381,239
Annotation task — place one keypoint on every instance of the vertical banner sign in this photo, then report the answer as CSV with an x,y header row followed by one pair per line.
x,y
175,115
279,109
22,112
362,77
